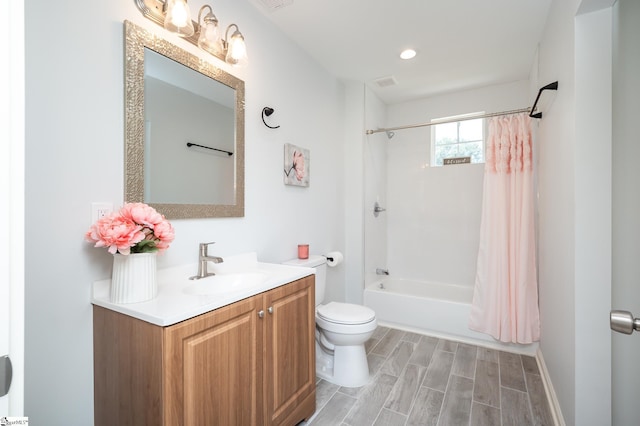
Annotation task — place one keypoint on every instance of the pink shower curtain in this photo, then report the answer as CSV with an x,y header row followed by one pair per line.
x,y
505,298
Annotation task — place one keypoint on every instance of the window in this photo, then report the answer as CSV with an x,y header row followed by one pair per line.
x,y
456,139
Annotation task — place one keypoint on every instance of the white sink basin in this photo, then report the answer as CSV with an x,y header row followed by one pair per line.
x,y
238,277
226,283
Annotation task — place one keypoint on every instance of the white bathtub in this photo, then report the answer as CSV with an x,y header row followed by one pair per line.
x,y
436,309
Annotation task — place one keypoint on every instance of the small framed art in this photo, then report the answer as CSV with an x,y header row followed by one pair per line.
x,y
296,165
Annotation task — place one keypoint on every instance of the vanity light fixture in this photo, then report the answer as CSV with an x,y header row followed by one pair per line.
x,y
235,47
209,39
175,16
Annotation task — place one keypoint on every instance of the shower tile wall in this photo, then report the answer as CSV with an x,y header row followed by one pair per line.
x,y
433,214
435,226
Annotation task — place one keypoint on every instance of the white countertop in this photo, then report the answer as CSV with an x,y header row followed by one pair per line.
x,y
180,298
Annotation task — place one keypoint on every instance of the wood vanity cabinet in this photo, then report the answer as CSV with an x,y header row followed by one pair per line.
x,y
248,363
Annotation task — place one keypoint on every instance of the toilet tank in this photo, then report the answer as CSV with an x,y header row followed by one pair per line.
x,y
319,263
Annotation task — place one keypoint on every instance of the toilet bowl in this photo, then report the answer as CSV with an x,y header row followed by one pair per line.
x,y
343,329
341,332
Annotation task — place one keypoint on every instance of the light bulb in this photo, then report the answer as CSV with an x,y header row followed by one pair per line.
x,y
209,39
178,18
237,50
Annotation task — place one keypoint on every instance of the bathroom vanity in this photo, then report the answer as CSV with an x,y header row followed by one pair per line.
x,y
249,361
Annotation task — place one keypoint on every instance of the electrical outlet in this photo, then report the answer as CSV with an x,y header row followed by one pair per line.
x,y
100,210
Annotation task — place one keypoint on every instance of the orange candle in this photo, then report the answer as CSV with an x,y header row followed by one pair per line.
x,y
303,251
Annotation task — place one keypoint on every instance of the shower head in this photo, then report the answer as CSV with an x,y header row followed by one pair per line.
x,y
389,133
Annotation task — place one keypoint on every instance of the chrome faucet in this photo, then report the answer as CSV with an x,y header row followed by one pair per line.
x,y
381,271
203,258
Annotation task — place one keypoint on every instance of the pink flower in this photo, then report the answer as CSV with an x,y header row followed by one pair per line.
x,y
136,228
141,214
298,164
165,235
115,232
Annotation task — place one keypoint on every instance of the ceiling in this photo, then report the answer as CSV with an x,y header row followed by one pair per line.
x,y
461,44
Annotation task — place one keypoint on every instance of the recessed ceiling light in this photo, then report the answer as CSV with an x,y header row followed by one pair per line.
x,y
408,54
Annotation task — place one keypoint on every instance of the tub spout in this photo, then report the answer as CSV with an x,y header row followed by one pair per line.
x,y
380,271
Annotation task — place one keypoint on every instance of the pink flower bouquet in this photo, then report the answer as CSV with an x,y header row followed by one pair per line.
x,y
136,228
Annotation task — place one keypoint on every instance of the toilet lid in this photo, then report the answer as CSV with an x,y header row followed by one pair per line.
x,y
346,313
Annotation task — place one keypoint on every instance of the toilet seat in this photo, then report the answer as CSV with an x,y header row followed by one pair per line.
x,y
345,313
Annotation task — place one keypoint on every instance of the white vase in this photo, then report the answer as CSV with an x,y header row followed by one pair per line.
x,y
133,279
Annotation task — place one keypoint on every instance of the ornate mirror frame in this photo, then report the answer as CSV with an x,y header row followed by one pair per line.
x,y
136,40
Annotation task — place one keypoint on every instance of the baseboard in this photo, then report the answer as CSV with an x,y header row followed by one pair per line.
x,y
524,349
554,405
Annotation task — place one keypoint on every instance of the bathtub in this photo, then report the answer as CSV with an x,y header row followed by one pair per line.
x,y
436,309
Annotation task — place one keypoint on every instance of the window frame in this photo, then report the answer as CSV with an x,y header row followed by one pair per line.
x,y
457,119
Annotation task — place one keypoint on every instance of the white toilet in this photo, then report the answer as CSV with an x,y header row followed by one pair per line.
x,y
341,331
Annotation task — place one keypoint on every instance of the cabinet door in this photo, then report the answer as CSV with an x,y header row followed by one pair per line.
x,y
127,370
290,352
213,367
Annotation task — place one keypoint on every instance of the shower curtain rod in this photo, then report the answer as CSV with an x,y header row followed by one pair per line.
x,y
453,120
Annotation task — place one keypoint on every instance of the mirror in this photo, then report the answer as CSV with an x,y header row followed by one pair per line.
x,y
184,131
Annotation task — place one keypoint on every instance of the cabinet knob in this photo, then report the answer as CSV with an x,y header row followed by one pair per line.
x,y
270,309
261,314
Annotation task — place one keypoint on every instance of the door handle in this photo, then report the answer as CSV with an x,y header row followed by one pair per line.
x,y
624,322
6,373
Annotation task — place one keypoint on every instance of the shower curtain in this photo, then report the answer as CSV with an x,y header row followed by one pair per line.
x,y
505,298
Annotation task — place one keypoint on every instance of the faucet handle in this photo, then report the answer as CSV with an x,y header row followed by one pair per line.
x,y
204,247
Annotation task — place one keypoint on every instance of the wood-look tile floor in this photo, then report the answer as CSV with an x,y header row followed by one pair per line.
x,y
422,380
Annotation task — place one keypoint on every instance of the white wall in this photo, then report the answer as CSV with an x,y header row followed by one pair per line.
x,y
74,119
433,215
575,208
556,205
375,187
354,120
